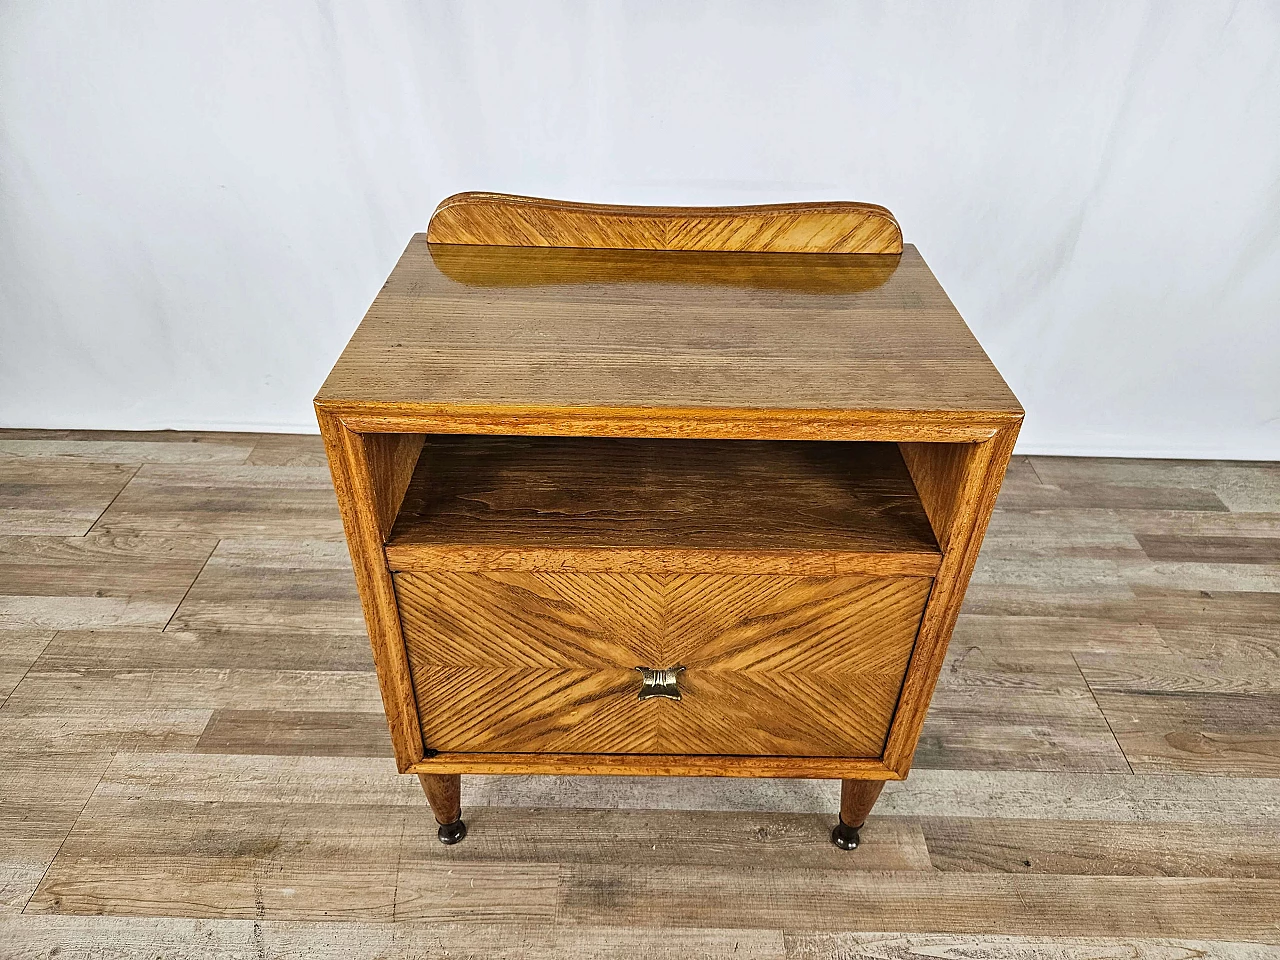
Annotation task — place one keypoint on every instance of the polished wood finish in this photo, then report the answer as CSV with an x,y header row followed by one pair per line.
x,y
984,467
545,662
504,220
655,765
857,797
135,822
689,424
612,481
938,471
365,468
444,793
392,459
662,506
610,356
532,268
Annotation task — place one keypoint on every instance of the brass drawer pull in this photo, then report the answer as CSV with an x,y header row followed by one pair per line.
x,y
660,682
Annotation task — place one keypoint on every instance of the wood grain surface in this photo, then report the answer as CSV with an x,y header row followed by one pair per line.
x,y
814,275
546,662
629,353
506,220
983,469
1021,832
368,470
483,503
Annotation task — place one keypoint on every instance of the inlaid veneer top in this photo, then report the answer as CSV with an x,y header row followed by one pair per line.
x,y
469,328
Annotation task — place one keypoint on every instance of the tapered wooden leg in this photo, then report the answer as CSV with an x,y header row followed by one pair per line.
x,y
444,793
857,797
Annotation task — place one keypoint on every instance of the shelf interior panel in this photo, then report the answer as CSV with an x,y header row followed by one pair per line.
x,y
733,496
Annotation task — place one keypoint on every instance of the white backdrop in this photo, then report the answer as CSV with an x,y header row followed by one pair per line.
x,y
199,200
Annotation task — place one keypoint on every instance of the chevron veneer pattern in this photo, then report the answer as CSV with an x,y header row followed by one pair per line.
x,y
502,219
544,661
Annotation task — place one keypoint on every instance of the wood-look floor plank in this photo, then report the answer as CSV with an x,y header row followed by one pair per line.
x,y
692,896
131,690
1116,798
991,663
1120,798
312,733
227,501
288,584
158,858
1197,549
102,579
732,840
31,834
1188,523
18,650
660,793
1093,848
1093,534
79,673
972,728
69,725
1015,709
1205,733
41,794
56,498
1212,624
136,452
1055,634
1212,577
476,892
1174,713
135,436
179,938
245,778
1084,495
289,450
1174,675
1240,486
299,862
71,692
918,946
1052,586
231,648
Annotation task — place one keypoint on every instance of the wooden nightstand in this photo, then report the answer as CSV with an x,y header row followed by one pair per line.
x,y
669,491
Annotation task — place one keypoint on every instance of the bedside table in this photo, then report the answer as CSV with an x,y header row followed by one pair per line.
x,y
662,491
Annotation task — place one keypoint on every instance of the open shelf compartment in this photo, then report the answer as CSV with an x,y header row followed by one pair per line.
x,y
773,506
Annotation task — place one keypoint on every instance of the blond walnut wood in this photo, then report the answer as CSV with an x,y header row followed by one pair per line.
x,y
522,602
857,797
938,471
872,426
619,351
977,475
444,793
655,765
365,469
775,666
392,458
848,273
596,504
505,220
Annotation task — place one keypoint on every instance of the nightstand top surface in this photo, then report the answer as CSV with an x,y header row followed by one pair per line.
x,y
511,329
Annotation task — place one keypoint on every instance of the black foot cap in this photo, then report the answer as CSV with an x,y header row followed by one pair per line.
x,y
844,836
452,833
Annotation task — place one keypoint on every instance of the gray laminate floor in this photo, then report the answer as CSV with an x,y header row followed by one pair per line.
x,y
193,760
